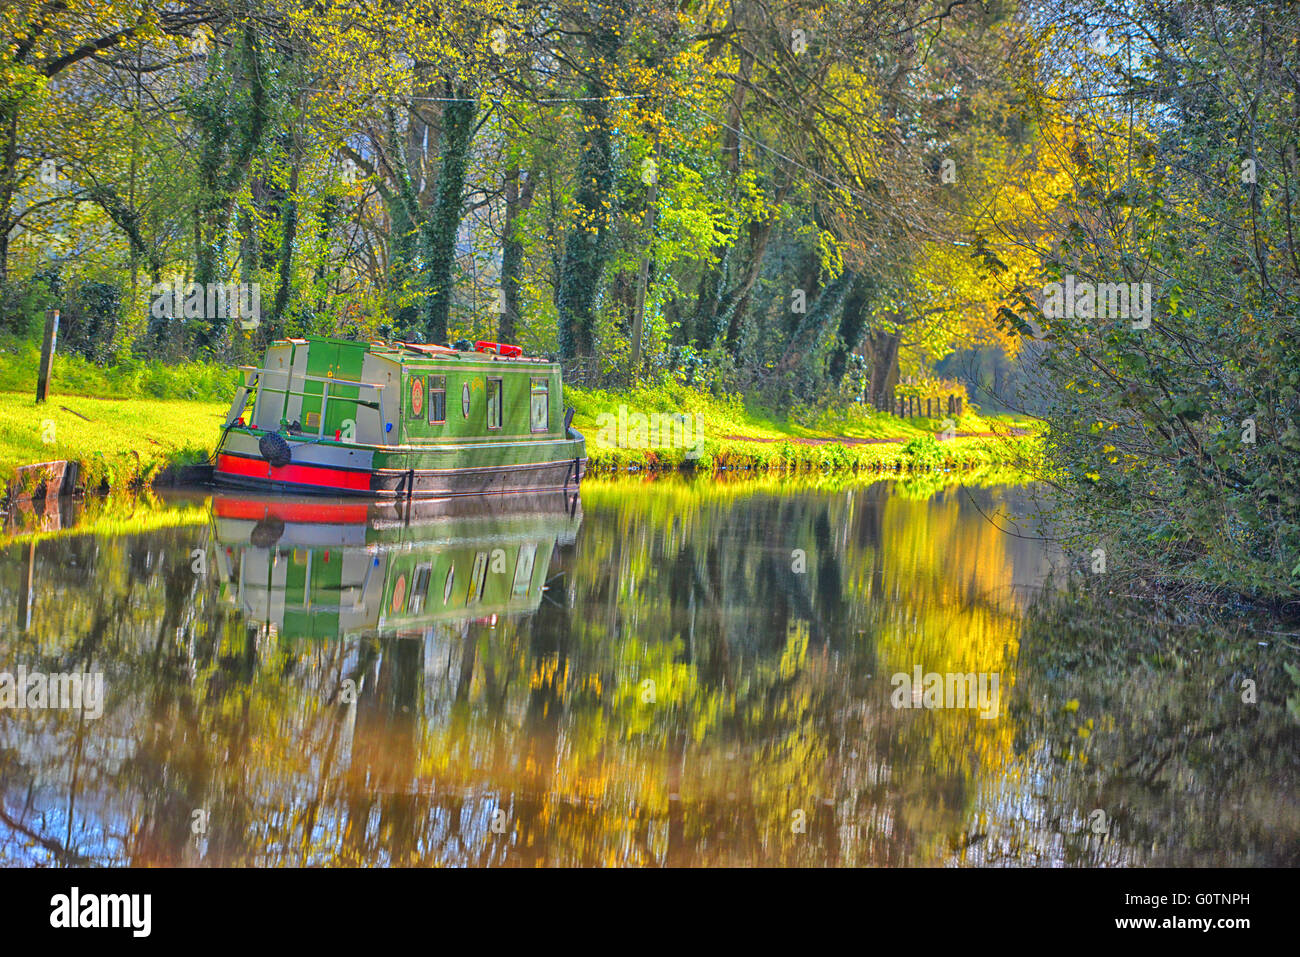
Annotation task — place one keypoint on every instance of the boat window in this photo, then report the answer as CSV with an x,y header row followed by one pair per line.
x,y
464,401
437,399
494,403
419,588
477,578
524,570
541,407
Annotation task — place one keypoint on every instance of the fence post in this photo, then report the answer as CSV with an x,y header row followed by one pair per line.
x,y
47,353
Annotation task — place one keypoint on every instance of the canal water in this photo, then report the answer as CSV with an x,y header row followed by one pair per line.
x,y
662,673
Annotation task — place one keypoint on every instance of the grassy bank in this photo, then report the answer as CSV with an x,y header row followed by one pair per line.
x,y
728,434
126,424
123,424
118,442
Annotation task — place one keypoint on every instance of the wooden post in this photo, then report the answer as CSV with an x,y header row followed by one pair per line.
x,y
26,594
47,353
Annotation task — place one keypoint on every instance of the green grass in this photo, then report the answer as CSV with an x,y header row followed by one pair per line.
x,y
743,436
126,441
74,376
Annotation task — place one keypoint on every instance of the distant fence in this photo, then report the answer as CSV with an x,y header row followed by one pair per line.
x,y
931,400
931,407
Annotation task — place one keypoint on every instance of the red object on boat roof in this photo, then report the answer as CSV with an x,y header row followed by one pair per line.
x,y
499,349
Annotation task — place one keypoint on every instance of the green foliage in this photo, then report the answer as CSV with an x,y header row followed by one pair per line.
x,y
1177,443
23,304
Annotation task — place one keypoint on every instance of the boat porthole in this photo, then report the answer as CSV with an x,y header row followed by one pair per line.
x,y
464,400
446,589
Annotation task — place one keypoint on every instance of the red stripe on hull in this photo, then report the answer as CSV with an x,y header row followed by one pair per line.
x,y
314,512
319,476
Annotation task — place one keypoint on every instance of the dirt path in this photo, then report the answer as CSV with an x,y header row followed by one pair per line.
x,y
851,440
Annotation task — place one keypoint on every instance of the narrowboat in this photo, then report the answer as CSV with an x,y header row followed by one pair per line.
x,y
337,568
399,420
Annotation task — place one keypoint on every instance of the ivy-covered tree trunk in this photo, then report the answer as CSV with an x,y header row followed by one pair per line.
x,y
289,223
882,349
8,179
226,151
586,247
442,222
853,322
736,302
401,268
518,198
807,351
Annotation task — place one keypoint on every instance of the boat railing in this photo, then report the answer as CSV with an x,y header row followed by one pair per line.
x,y
324,393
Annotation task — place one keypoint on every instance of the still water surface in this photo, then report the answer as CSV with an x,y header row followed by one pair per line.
x,y
664,673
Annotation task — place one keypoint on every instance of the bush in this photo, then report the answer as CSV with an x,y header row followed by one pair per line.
x,y
91,316
23,305
924,452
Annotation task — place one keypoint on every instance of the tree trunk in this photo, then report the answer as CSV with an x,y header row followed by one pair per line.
x,y
804,343
643,281
8,182
882,349
225,155
518,199
290,221
440,226
585,246
853,323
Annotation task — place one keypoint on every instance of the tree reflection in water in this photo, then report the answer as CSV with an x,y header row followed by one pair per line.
x,y
669,673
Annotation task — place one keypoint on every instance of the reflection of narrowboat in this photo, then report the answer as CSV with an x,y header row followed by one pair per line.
x,y
335,568
399,420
